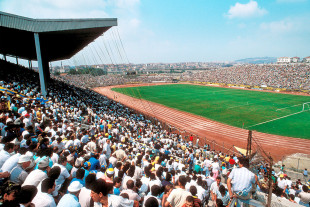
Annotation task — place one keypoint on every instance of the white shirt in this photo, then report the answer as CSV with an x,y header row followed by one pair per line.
x,y
64,174
68,143
177,197
77,142
44,200
145,180
27,122
61,145
188,185
35,177
103,160
282,183
84,197
242,179
138,173
214,187
124,183
215,166
117,201
113,160
91,146
155,182
106,147
201,192
10,163
132,195
54,158
4,156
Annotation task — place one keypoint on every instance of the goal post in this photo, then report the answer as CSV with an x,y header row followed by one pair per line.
x,y
306,106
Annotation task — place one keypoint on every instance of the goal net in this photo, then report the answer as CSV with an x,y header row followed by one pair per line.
x,y
306,106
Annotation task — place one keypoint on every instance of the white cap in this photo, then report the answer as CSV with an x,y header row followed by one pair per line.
x,y
15,142
24,158
9,120
75,186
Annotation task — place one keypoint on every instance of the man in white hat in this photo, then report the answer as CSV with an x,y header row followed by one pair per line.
x,y
18,173
36,176
71,198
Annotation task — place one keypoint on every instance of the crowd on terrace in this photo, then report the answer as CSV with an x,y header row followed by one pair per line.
x,y
79,148
89,81
276,76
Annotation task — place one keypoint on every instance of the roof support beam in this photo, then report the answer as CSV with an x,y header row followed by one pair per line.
x,y
40,64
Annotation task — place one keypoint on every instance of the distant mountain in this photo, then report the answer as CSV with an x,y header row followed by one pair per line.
x,y
258,60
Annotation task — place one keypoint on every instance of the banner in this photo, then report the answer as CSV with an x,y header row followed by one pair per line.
x,y
242,151
42,100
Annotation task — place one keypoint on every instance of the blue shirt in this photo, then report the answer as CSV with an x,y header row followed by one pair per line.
x,y
192,158
242,179
85,139
69,200
94,164
76,179
116,191
86,174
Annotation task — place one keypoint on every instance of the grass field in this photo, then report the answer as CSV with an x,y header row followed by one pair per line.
x,y
272,113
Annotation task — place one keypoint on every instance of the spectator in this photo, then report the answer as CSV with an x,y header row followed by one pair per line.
x,y
242,180
71,198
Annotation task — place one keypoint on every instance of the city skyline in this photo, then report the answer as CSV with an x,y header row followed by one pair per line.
x,y
183,31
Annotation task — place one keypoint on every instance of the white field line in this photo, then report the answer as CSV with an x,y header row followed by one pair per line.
x,y
200,125
238,106
275,119
213,128
220,131
289,107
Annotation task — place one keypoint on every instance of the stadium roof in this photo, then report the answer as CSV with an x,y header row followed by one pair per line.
x,y
59,38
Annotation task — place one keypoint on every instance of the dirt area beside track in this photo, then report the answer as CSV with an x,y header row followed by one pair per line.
x,y
219,136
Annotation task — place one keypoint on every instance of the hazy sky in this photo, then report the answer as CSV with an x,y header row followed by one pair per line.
x,y
190,30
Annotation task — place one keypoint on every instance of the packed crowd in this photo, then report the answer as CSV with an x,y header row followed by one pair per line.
x,y
89,81
276,76
78,148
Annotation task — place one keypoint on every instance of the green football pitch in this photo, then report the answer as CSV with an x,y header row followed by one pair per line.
x,y
272,113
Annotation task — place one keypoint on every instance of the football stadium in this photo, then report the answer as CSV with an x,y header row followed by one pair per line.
x,y
82,135
286,114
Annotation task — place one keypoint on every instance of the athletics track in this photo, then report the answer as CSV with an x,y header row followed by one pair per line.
x,y
223,135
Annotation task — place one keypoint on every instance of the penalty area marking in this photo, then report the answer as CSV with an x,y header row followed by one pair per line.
x,y
275,119
289,107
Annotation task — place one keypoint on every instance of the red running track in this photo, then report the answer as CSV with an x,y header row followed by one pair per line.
x,y
276,146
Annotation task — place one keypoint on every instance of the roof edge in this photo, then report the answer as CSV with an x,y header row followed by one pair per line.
x,y
40,25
